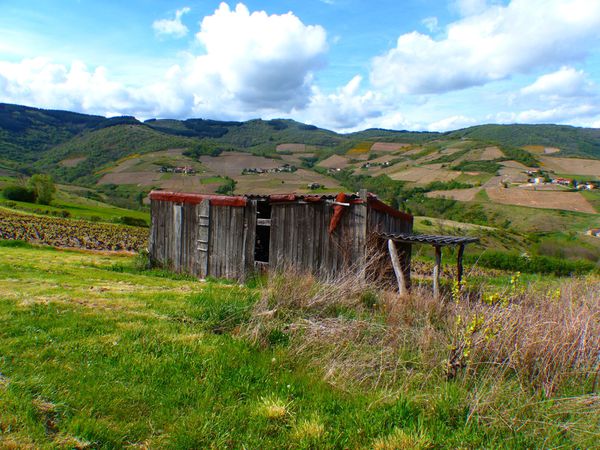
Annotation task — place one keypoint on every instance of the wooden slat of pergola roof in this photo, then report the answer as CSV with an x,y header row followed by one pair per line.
x,y
431,239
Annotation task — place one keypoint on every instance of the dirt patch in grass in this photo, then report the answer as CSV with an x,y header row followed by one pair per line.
x,y
463,195
296,158
424,175
568,201
284,182
188,183
491,153
72,162
294,148
388,146
334,162
514,165
541,150
139,178
575,166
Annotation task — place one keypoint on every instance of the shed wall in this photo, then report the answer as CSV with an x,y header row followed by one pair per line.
x,y
173,235
231,243
300,238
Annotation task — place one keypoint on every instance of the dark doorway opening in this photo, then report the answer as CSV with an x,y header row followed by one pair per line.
x,y
263,231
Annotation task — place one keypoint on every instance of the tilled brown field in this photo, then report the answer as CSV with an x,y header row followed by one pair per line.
x,y
568,201
387,147
574,166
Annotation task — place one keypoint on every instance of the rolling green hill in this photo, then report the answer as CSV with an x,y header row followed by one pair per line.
x,y
572,141
44,138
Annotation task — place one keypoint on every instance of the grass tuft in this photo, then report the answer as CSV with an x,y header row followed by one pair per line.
x,y
274,408
400,439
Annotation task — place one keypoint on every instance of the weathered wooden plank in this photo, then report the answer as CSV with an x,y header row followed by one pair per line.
x,y
250,219
176,234
436,272
203,240
325,240
214,235
308,237
236,253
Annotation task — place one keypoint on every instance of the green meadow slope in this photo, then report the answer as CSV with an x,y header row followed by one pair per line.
x,y
98,352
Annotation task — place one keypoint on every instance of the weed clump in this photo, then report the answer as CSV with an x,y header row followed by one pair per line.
x,y
515,356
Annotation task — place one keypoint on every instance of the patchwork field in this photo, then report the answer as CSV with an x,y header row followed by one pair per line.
x,y
568,201
294,148
231,164
490,153
388,147
575,166
424,175
463,195
335,162
143,171
541,150
276,183
72,162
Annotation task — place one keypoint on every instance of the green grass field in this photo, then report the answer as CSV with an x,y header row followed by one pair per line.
x,y
98,353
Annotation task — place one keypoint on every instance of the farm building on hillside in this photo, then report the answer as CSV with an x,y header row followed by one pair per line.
x,y
233,236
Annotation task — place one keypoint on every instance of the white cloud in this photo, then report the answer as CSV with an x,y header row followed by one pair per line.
x,y
500,41
431,23
575,114
451,123
565,82
264,61
40,82
254,64
346,109
172,27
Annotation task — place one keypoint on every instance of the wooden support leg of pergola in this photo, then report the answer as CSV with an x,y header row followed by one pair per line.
x,y
459,264
398,270
437,268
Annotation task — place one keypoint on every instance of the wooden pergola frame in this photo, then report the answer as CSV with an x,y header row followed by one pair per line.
x,y
438,242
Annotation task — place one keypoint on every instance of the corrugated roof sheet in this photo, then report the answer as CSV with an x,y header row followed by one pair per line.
x,y
432,239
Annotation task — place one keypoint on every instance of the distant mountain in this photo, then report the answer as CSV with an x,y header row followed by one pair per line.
x,y
37,140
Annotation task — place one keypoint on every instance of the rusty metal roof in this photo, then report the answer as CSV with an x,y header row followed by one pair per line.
x,y
241,200
409,238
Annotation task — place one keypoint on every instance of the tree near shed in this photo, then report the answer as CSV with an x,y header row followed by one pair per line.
x,y
43,187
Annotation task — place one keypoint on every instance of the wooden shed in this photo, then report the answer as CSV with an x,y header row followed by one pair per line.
x,y
233,236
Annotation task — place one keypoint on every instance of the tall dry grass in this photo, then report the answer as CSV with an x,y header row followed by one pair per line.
x,y
527,358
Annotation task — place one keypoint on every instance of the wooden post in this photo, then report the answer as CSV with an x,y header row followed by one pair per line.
x,y
436,271
459,264
397,267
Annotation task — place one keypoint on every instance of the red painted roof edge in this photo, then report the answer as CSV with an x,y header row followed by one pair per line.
x,y
240,200
194,199
380,206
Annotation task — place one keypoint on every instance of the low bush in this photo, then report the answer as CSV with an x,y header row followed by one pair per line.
x,y
19,193
514,262
133,221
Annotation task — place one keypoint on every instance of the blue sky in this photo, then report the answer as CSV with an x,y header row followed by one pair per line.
x,y
339,64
